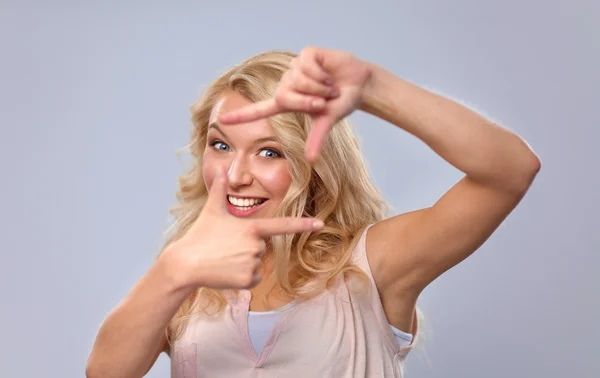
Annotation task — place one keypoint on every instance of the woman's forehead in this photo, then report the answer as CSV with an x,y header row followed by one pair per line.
x,y
227,102
248,130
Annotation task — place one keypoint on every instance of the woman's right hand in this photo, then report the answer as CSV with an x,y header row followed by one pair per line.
x,y
221,251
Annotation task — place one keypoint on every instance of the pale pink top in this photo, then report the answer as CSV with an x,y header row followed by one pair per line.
x,y
340,334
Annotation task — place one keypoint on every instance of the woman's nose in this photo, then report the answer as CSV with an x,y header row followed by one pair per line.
x,y
239,174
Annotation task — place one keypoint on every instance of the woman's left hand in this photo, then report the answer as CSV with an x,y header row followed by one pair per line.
x,y
326,84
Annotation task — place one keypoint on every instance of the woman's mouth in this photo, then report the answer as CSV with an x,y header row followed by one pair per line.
x,y
244,206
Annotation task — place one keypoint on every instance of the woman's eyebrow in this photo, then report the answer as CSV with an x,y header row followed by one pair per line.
x,y
257,141
265,139
216,127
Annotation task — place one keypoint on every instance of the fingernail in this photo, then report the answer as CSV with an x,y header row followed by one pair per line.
x,y
317,103
310,155
318,224
334,92
328,82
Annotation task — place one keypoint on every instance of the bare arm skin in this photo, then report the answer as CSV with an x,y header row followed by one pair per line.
x,y
133,334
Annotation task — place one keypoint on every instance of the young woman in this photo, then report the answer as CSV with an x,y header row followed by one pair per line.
x,y
281,262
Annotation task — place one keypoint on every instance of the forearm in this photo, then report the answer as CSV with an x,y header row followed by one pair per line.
x,y
132,333
486,152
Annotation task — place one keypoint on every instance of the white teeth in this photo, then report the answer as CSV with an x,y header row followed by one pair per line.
x,y
244,202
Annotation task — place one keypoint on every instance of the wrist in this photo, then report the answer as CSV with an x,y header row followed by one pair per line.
x,y
369,91
382,94
175,270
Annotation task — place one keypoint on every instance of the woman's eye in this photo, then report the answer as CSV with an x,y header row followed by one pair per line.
x,y
220,146
269,153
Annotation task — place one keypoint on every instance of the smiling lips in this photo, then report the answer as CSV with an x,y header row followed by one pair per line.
x,y
243,207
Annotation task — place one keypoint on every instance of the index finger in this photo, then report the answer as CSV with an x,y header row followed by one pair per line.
x,y
287,225
253,112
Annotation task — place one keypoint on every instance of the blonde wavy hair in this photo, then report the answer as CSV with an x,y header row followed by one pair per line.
x,y
336,189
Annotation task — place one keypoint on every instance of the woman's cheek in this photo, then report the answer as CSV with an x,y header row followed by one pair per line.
x,y
277,177
208,170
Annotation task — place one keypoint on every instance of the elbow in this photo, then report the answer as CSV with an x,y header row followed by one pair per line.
x,y
528,171
533,167
530,165
537,164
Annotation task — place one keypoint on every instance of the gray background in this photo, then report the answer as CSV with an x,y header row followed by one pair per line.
x,y
94,102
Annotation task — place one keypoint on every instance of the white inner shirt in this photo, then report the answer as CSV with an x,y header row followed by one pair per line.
x,y
261,323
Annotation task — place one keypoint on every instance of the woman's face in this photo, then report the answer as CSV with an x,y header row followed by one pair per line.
x,y
257,170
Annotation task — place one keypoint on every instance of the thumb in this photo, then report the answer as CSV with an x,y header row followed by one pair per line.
x,y
217,194
322,124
